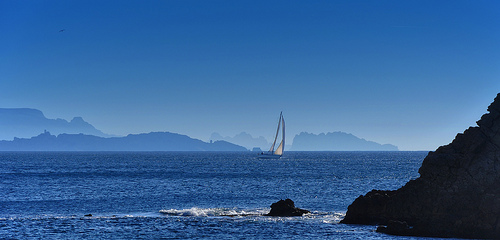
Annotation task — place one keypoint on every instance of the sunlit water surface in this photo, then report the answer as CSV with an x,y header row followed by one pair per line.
x,y
191,195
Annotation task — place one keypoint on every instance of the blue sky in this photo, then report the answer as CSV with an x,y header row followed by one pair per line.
x,y
408,73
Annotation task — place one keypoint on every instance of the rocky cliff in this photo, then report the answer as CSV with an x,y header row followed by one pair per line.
x,y
456,195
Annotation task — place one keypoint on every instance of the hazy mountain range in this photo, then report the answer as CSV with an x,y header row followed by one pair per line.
x,y
27,122
155,141
25,129
243,139
336,141
332,141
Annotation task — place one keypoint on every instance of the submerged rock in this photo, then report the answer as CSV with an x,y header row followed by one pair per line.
x,y
285,208
395,228
456,195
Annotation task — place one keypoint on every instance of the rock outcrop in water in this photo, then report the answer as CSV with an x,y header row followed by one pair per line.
x,y
285,208
456,195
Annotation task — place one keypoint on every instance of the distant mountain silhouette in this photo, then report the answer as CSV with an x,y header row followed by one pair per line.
x,y
336,141
155,141
21,124
243,139
27,122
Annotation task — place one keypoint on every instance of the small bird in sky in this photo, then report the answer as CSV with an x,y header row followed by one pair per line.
x,y
62,30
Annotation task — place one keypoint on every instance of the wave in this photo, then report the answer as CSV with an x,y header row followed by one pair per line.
x,y
80,216
214,212
327,217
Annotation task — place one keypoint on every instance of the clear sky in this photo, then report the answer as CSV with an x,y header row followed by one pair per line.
x,y
408,73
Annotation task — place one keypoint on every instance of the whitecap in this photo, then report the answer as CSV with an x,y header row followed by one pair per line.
x,y
213,212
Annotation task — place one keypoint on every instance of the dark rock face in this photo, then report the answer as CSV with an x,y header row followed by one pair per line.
x,y
456,195
395,228
285,208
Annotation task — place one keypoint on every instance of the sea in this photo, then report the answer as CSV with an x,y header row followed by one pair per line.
x,y
191,195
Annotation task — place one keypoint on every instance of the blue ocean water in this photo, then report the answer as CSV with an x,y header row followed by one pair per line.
x,y
191,195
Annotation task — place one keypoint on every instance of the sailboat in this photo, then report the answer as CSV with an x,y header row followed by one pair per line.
x,y
275,154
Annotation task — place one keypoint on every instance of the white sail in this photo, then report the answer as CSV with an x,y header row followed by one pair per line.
x,y
279,150
272,154
281,147
276,137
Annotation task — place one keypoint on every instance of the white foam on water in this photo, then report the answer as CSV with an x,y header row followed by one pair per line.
x,y
214,212
325,217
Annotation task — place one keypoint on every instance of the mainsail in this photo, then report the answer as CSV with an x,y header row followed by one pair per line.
x,y
277,132
279,151
281,125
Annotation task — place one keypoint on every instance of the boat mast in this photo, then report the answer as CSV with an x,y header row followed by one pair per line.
x,y
277,131
283,140
281,147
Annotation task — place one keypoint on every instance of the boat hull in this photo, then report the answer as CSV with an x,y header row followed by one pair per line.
x,y
268,156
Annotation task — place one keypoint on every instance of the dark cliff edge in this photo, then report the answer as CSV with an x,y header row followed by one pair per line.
x,y
155,141
456,195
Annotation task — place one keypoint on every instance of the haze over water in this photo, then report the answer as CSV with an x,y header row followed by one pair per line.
x,y
408,73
